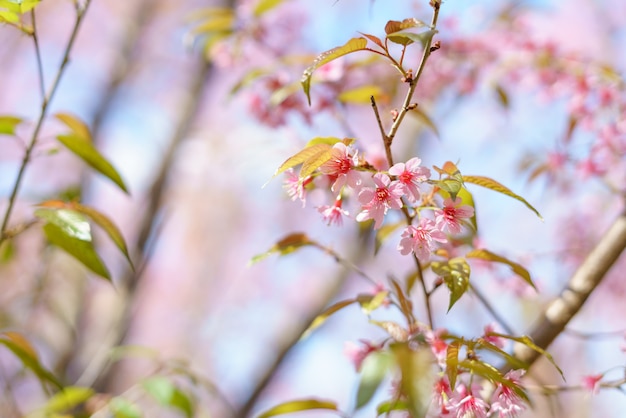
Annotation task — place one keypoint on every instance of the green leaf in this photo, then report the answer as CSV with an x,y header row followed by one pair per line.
x,y
513,361
503,97
487,371
450,185
69,216
7,251
407,38
247,79
390,406
86,151
122,408
72,223
361,94
23,350
80,249
9,16
19,6
286,245
452,362
68,398
76,126
315,162
108,226
489,256
456,274
264,6
528,342
133,351
167,394
218,23
8,123
373,372
297,406
328,140
494,185
369,304
322,317
310,152
353,45
417,377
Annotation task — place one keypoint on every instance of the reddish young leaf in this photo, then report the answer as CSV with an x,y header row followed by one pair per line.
x,y
396,25
374,39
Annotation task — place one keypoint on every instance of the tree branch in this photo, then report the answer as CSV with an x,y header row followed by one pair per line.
x,y
585,280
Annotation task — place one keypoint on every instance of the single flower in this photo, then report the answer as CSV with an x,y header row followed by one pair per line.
x,y
452,215
421,239
410,175
333,214
376,201
340,167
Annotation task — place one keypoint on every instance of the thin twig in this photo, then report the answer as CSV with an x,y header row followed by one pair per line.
x,y
345,262
386,142
498,318
42,82
413,82
80,13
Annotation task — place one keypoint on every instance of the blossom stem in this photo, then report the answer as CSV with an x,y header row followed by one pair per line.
x,y
344,262
413,82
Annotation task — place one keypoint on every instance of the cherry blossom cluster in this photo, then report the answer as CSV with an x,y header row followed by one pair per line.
x,y
398,189
466,398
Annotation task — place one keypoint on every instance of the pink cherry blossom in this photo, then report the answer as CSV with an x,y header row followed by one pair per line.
x,y
465,404
489,337
410,175
452,215
592,382
295,186
421,239
333,214
438,346
357,354
504,401
377,201
341,167
442,395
